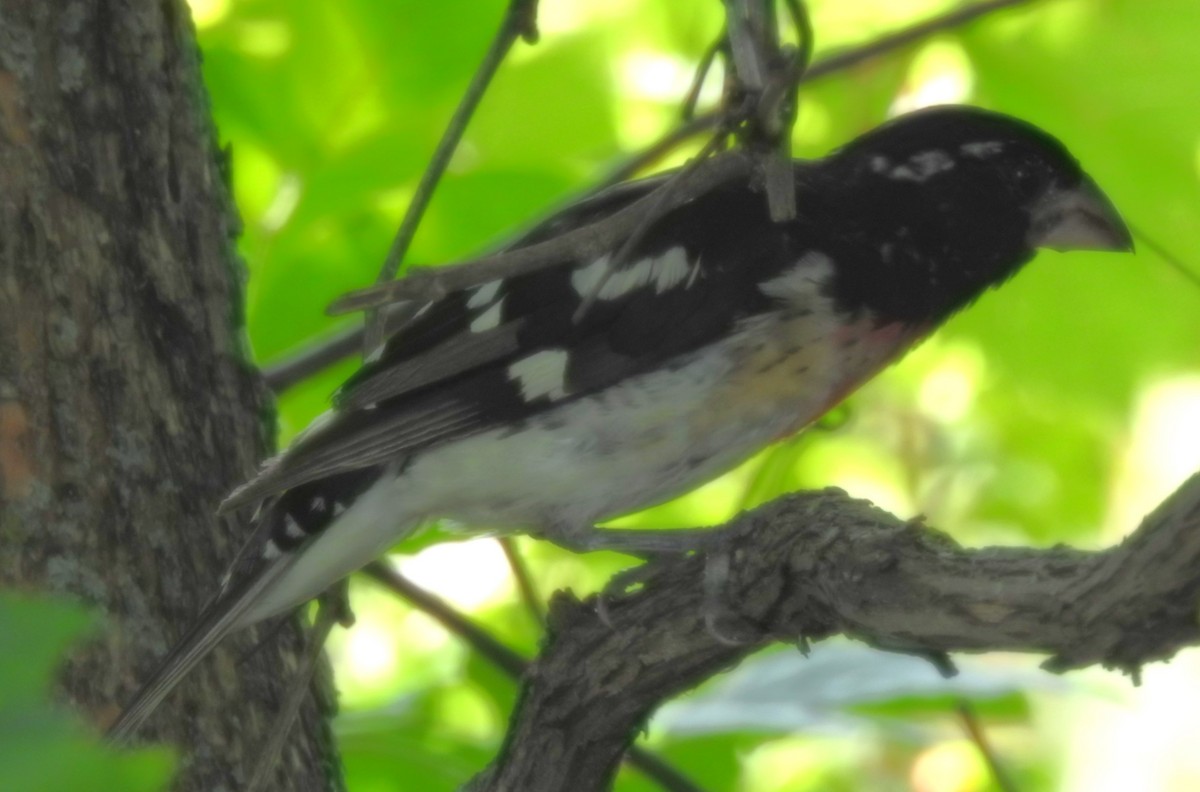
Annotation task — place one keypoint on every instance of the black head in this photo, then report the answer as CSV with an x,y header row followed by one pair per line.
x,y
956,199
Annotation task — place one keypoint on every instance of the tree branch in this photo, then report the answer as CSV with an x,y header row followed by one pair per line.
x,y
433,283
820,564
511,663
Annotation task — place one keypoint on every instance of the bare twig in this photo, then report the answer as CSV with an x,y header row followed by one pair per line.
x,y
765,76
1168,258
804,33
659,770
314,358
327,616
749,59
658,203
590,241
692,97
525,585
432,285
301,365
499,655
520,21
821,564
974,729
660,148
304,364
905,36
825,67
512,663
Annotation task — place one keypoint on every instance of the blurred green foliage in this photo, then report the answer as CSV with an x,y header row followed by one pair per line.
x,y
42,748
1034,417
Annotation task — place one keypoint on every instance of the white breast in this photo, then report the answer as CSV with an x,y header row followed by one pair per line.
x,y
649,439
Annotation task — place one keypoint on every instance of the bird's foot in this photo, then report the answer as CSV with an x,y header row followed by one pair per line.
x,y
643,543
651,545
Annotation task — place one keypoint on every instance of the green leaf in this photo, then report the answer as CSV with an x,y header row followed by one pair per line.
x,y
404,747
1113,81
34,635
43,749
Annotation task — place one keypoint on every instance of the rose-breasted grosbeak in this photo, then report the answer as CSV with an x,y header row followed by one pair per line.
x,y
506,406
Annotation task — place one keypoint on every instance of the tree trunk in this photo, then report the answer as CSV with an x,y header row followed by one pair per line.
x,y
128,405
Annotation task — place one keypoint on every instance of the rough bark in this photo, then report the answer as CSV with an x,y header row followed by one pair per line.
x,y
819,564
128,406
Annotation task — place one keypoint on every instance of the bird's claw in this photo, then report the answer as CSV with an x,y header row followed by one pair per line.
x,y
718,557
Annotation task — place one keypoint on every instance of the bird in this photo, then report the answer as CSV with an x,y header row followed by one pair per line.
x,y
550,401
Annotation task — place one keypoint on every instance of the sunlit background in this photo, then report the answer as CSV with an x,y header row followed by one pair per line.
x,y
1059,409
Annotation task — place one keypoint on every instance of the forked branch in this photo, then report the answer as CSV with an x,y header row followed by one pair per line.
x,y
820,564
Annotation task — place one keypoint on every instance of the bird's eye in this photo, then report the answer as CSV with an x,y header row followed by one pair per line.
x,y
1028,182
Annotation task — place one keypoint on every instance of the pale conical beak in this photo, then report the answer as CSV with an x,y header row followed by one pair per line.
x,y
1079,218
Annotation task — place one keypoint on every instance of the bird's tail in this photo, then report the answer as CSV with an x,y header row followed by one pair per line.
x,y
280,567
222,616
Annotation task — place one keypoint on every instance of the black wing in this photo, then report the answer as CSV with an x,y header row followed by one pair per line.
x,y
511,349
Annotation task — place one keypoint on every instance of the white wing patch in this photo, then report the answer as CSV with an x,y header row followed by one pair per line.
x,y
482,295
485,295
803,281
586,279
489,319
664,272
695,273
669,269
542,374
292,528
920,167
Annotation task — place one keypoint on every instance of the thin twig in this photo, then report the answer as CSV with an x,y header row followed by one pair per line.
x,y
749,61
496,653
657,206
1169,258
327,616
510,662
805,38
519,22
309,362
659,770
525,586
829,65
431,283
973,727
780,97
301,365
440,281
659,149
905,36
766,76
692,97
